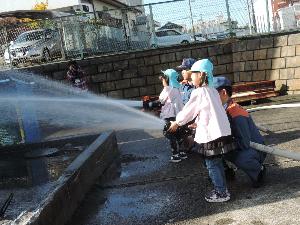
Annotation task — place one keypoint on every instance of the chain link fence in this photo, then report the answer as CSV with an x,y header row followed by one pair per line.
x,y
153,24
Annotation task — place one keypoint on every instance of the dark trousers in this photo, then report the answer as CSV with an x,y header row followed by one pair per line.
x,y
176,139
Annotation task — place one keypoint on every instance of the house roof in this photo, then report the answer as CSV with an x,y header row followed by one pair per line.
x,y
170,25
32,14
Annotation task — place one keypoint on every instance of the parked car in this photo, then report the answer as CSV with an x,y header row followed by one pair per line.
x,y
169,37
41,44
199,37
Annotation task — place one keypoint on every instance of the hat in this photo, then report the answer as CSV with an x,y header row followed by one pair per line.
x,y
221,81
204,65
186,64
172,75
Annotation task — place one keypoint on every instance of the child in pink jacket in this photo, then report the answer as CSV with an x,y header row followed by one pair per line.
x,y
213,134
171,100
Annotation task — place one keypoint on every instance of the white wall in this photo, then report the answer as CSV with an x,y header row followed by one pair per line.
x,y
260,9
54,4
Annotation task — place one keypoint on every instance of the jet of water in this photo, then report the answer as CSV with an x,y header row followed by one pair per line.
x,y
59,107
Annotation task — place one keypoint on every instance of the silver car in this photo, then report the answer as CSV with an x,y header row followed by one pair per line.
x,y
41,44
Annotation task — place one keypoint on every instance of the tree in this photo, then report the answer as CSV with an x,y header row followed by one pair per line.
x,y
41,6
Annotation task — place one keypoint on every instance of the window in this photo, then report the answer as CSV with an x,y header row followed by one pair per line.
x,y
172,33
85,8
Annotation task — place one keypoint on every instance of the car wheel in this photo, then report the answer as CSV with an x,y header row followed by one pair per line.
x,y
184,42
154,46
46,55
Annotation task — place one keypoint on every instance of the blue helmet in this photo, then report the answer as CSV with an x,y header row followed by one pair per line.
x,y
204,65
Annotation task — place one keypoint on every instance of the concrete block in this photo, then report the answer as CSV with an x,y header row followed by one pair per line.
x,y
120,65
293,84
137,82
152,60
229,68
297,49
288,51
278,63
215,50
250,65
286,73
164,58
114,75
200,53
280,85
253,44
219,69
280,41
227,48
272,74
101,77
236,77
248,55
223,59
236,56
266,42
294,39
183,54
273,53
260,54
297,72
149,90
130,73
131,93
107,86
238,66
115,94
51,67
91,69
246,76
153,80
158,88
158,68
264,64
239,46
145,71
259,75
105,67
293,61
138,62
121,84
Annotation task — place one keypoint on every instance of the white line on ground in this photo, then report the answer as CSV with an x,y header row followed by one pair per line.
x,y
127,142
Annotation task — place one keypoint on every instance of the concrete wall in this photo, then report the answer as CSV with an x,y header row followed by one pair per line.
x,y
131,75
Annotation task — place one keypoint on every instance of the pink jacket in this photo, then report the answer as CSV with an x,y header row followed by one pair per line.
x,y
172,102
212,121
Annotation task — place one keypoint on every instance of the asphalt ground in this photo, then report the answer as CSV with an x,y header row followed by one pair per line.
x,y
148,189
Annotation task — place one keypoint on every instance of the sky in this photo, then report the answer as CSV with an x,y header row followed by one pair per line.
x,y
179,12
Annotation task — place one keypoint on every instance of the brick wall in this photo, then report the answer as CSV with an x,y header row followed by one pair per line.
x,y
131,75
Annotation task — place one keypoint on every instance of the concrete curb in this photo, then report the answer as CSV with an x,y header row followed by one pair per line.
x,y
74,183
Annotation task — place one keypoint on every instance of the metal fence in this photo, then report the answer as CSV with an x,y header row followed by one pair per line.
x,y
140,27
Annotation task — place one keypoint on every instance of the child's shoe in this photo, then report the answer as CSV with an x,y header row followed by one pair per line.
x,y
215,196
183,155
175,158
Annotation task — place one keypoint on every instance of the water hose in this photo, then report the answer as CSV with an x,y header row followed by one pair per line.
x,y
271,150
276,151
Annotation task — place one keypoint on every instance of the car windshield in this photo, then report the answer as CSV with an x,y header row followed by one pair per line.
x,y
32,36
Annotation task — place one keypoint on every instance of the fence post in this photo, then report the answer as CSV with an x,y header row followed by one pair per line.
x,y
229,18
268,16
253,17
61,37
152,27
192,20
249,18
8,47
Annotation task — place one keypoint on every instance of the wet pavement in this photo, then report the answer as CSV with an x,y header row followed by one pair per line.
x,y
151,190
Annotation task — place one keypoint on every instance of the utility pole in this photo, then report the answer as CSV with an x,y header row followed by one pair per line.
x,y
253,17
229,19
268,16
249,17
192,20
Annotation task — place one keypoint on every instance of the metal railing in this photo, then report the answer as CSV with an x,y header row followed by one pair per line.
x,y
139,27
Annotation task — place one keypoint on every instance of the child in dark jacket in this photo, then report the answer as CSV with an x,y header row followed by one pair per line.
x,y
76,76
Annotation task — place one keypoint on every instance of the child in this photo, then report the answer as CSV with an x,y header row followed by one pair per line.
x,y
244,130
77,76
213,134
172,103
186,86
